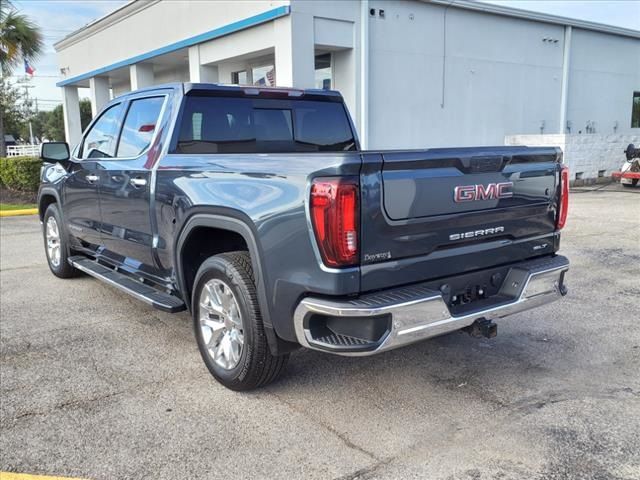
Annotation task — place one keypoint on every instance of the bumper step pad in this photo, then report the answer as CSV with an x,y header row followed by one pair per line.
x,y
160,300
338,340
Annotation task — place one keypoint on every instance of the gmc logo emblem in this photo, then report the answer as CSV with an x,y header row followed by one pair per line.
x,y
493,191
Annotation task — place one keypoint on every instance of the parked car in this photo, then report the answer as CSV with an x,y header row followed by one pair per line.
x,y
256,210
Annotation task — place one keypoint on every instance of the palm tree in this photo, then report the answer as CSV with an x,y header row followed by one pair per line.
x,y
19,38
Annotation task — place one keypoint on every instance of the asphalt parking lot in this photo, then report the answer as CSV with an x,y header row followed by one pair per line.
x,y
98,386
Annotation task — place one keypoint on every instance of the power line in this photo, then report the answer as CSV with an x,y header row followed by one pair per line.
x,y
35,76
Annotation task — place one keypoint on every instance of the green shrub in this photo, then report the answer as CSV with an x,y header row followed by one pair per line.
x,y
20,173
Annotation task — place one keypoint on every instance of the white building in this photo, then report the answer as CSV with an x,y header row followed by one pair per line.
x,y
414,73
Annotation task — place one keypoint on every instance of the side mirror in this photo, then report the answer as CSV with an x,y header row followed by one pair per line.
x,y
52,152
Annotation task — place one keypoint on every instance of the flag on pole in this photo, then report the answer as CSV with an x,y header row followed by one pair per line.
x,y
28,69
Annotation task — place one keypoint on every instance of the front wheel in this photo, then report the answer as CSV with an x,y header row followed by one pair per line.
x,y
228,324
633,183
55,244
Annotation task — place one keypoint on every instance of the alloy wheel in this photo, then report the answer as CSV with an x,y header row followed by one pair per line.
x,y
221,324
53,241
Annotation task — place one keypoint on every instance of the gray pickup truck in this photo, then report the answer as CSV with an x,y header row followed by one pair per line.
x,y
256,210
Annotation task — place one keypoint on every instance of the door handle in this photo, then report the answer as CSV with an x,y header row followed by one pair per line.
x,y
92,178
138,182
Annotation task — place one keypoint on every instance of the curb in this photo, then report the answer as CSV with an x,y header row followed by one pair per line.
x,y
15,213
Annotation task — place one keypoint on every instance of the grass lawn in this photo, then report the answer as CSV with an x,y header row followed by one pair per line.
x,y
16,206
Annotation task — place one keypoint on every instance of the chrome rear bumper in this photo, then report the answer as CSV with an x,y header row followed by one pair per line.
x,y
416,313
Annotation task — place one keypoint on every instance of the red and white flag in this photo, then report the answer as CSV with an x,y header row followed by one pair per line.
x,y
28,69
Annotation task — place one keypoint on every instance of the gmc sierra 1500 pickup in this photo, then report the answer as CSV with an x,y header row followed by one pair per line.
x,y
256,210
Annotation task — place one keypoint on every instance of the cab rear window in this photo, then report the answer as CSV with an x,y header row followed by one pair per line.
x,y
246,125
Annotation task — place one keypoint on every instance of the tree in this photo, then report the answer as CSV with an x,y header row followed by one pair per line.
x,y
11,112
85,113
19,38
53,129
52,126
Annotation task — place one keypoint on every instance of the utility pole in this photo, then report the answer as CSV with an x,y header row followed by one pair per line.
x,y
24,83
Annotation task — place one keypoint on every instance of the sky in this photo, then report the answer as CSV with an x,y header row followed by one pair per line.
x,y
58,18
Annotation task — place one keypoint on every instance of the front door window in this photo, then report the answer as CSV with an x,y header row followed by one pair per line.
x,y
100,141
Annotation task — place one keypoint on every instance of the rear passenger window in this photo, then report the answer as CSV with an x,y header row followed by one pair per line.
x,y
139,126
246,125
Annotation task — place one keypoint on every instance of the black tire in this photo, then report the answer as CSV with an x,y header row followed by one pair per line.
x,y
633,183
62,269
256,366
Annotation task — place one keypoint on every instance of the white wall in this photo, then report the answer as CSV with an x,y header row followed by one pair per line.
x,y
584,154
154,26
605,71
500,77
174,75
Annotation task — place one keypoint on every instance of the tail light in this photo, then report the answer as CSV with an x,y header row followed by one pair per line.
x,y
564,197
334,215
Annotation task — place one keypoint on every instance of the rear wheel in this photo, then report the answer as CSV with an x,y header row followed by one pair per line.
x,y
228,324
55,244
633,183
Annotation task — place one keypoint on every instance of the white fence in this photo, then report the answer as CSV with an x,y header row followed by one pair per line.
x,y
23,150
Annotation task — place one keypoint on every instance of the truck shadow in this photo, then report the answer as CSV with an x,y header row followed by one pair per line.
x,y
492,369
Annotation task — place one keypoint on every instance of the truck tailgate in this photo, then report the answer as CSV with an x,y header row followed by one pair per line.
x,y
440,212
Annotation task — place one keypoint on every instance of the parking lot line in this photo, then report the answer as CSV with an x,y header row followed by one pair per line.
x,y
26,476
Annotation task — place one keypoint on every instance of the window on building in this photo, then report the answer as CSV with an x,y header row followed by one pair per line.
x,y
239,78
139,126
264,76
100,141
246,125
323,71
635,111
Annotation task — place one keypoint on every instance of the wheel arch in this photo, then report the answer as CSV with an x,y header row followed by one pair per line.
x,y
46,197
240,224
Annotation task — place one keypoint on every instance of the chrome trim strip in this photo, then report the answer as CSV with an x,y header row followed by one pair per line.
x,y
428,316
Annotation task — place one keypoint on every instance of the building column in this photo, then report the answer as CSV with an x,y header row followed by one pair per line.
x,y
199,73
99,90
294,49
141,75
71,113
566,65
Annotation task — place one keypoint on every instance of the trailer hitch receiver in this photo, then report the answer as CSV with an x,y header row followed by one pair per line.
x,y
482,328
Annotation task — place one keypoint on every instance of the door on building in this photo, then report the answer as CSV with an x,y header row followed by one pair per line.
x,y
81,203
125,187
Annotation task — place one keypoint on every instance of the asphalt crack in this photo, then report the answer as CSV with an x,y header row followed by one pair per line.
x,y
24,267
86,402
343,438
76,403
366,472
